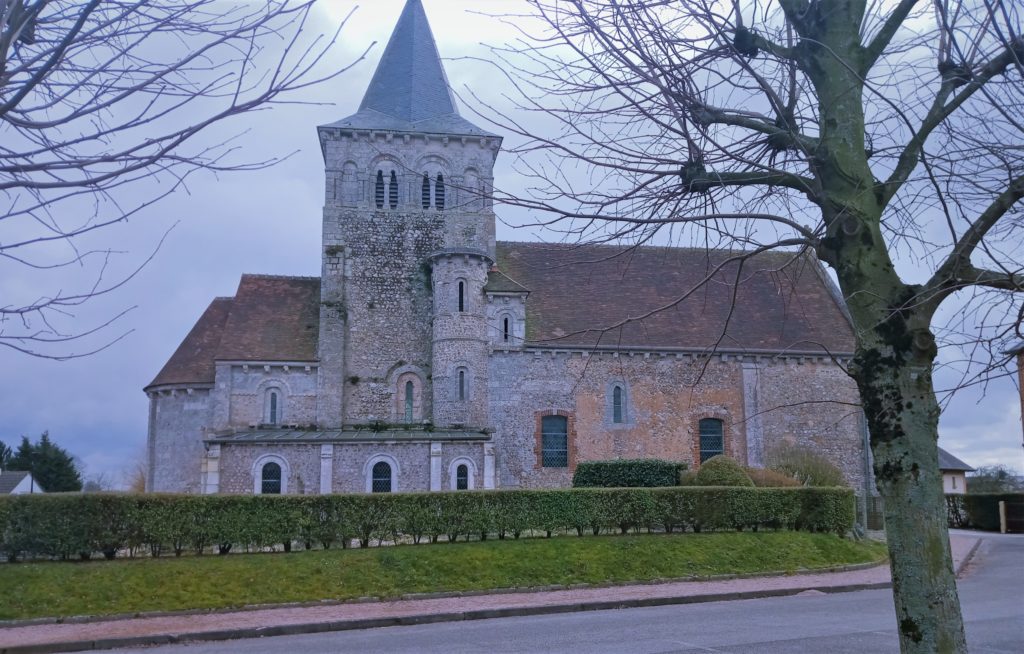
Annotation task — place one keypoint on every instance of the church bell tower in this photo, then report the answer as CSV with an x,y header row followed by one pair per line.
x,y
408,240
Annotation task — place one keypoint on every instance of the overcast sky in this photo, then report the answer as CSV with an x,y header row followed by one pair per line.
x,y
269,222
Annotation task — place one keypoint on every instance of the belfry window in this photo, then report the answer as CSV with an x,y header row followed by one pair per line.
x,y
426,191
409,392
506,330
462,297
393,191
379,190
439,193
462,385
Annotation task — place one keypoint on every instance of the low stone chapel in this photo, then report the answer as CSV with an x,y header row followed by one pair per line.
x,y
429,357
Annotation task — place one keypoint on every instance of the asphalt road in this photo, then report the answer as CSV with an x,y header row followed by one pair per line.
x,y
991,593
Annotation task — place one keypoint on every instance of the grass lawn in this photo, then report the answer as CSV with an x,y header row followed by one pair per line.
x,y
126,586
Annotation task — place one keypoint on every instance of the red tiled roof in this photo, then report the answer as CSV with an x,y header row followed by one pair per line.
x,y
577,297
270,319
192,362
577,293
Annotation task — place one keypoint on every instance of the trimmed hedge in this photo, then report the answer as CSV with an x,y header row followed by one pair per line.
x,y
978,510
627,473
69,525
721,471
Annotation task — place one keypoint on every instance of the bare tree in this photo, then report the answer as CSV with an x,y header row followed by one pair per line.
x,y
885,137
101,96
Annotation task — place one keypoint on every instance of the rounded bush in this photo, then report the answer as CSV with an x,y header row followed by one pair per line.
x,y
722,471
765,478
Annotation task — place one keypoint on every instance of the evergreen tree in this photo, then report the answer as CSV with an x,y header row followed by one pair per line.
x,y
5,455
51,465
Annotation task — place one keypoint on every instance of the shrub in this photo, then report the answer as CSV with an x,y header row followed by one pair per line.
x,y
956,512
721,471
62,526
983,508
627,473
765,478
807,467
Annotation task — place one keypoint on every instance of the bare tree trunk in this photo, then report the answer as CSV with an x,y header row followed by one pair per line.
x,y
896,385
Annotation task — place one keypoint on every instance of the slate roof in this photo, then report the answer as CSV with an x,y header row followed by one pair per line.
x,y
1016,349
9,480
269,319
409,91
949,462
783,302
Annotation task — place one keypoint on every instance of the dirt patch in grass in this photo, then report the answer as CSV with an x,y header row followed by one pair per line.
x,y
208,582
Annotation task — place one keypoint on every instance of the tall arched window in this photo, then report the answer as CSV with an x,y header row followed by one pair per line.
x,y
506,330
270,479
381,477
410,391
426,191
462,385
617,405
379,190
439,193
272,414
462,296
712,438
462,477
393,191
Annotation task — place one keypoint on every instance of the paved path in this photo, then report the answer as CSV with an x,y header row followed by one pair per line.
x,y
337,617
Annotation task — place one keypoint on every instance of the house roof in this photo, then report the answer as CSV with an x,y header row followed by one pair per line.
x,y
9,480
615,297
409,91
949,462
269,319
1016,349
578,296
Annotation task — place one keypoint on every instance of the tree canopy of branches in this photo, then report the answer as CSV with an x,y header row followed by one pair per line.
x,y
994,479
51,465
883,136
98,96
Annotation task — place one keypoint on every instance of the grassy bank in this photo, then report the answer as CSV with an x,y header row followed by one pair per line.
x,y
99,588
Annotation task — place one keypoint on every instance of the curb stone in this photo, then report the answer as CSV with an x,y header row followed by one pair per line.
x,y
420,619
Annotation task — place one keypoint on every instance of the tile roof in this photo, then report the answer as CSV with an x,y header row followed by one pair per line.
x,y
949,462
283,436
9,480
409,91
269,319
784,302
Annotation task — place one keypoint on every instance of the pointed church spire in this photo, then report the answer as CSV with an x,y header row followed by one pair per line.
x,y
410,91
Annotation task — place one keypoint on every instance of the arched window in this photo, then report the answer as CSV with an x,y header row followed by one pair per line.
x,y
381,478
462,297
272,414
393,191
617,405
506,330
270,479
379,190
462,477
712,438
410,391
439,193
462,385
426,191
554,442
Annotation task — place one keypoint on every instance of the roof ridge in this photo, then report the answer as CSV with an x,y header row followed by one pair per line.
x,y
266,276
625,248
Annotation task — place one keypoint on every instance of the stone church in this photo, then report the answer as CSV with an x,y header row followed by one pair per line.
x,y
429,357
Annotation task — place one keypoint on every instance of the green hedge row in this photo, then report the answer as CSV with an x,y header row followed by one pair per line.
x,y
627,473
978,510
71,525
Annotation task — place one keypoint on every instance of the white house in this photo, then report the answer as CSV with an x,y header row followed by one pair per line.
x,y
954,473
18,483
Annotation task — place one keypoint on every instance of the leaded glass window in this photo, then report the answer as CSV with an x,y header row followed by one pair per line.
x,y
379,189
554,442
393,191
617,409
439,193
270,479
409,388
712,439
381,481
462,477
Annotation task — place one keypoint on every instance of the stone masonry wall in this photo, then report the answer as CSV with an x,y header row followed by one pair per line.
x,y
178,420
